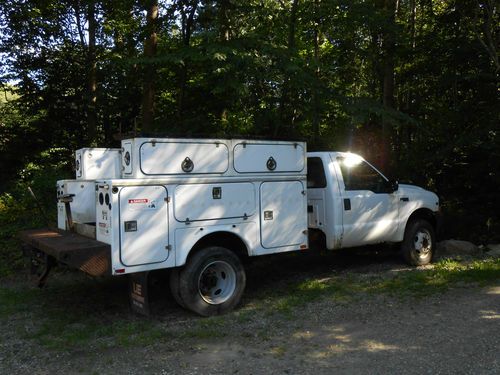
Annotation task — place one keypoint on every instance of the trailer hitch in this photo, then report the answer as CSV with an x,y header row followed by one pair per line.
x,y
42,280
40,265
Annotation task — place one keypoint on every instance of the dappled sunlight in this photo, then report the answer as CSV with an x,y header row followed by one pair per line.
x,y
489,314
493,290
344,344
337,340
166,158
193,202
285,224
371,219
376,346
330,350
304,335
338,334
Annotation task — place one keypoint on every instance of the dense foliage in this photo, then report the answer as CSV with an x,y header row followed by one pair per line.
x,y
411,84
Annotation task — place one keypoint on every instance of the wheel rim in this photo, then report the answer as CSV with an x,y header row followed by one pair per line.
x,y
217,282
422,244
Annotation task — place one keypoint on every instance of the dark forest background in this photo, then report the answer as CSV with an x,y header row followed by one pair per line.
x,y
412,85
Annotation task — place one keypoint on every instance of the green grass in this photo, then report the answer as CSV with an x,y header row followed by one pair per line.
x,y
414,283
59,332
70,315
445,274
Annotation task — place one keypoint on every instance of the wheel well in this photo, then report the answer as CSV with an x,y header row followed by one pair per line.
x,y
223,239
425,214
317,239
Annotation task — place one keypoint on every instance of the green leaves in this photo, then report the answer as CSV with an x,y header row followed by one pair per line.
x,y
321,70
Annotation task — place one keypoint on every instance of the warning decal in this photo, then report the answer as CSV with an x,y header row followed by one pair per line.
x,y
143,200
137,204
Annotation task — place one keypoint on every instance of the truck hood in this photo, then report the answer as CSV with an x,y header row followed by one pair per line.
x,y
416,193
410,189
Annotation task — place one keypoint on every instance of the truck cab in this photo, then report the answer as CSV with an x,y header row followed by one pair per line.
x,y
351,203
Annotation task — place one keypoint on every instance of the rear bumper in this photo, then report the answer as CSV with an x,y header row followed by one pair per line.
x,y
72,249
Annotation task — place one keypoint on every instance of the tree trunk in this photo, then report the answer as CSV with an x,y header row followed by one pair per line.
x,y
188,12
487,12
225,33
150,69
91,76
224,20
316,109
285,117
388,47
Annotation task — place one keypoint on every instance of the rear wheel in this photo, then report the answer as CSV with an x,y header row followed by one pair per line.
x,y
419,243
174,286
211,283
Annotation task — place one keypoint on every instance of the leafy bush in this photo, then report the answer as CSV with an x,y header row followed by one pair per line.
x,y
19,210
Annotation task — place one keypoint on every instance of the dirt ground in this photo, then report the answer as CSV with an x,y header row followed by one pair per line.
x,y
451,332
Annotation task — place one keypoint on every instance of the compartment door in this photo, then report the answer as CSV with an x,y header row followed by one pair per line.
x,y
143,225
266,158
283,216
171,158
214,201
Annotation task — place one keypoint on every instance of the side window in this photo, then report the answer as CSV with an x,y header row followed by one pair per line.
x,y
315,173
361,176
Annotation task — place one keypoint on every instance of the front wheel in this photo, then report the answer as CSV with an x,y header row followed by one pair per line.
x,y
419,243
211,283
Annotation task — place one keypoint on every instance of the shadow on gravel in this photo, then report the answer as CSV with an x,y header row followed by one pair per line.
x,y
70,295
269,273
275,270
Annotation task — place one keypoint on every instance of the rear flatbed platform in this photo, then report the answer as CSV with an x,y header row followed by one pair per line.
x,y
72,249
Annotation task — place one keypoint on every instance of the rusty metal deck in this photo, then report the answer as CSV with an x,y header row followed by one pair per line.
x,y
76,251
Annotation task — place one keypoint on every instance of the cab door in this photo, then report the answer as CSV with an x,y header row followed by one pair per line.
x,y
370,207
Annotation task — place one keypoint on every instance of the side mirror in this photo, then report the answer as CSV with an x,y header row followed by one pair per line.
x,y
394,185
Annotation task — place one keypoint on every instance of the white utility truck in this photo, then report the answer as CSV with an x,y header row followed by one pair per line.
x,y
201,206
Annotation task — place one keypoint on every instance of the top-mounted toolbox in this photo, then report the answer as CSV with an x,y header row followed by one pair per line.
x,y
163,157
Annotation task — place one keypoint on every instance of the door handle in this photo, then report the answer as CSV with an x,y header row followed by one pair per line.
x,y
347,204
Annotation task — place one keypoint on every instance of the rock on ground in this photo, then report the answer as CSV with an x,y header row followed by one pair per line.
x,y
493,250
456,247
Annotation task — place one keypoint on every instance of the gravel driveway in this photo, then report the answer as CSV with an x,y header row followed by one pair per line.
x,y
453,332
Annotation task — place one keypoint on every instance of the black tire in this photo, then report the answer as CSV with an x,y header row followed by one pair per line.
x,y
174,286
211,283
419,243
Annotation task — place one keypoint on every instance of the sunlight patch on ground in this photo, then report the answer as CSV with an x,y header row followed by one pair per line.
x,y
344,344
493,290
338,334
304,335
490,314
373,346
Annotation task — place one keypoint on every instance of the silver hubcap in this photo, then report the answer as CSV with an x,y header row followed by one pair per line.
x,y
217,282
422,243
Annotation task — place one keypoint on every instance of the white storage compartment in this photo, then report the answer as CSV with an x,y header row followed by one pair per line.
x,y
143,225
146,158
97,163
83,205
195,202
250,157
283,216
